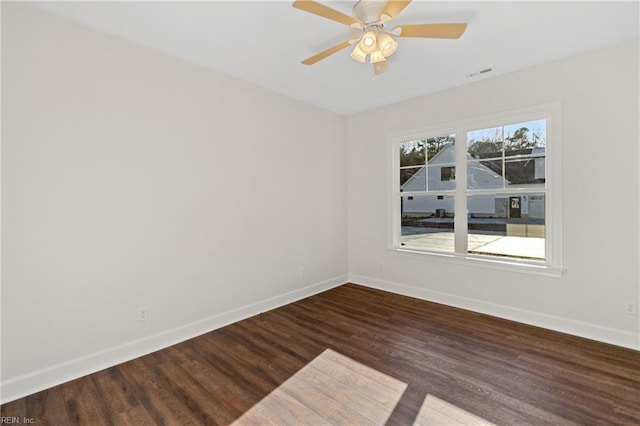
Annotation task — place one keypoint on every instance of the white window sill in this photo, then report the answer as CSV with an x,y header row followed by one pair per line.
x,y
498,263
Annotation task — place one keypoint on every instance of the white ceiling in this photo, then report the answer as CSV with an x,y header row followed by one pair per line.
x,y
263,42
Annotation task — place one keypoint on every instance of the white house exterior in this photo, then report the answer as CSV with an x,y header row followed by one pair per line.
x,y
479,176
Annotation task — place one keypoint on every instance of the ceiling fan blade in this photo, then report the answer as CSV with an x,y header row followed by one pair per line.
x,y
394,7
324,11
432,30
330,51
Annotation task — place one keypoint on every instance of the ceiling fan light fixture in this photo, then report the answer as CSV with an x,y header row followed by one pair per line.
x,y
368,43
376,56
358,54
387,44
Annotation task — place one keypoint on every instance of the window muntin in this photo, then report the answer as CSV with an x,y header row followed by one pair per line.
x,y
507,161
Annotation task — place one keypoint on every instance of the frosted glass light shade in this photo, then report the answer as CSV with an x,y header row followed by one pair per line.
x,y
387,44
358,54
368,43
376,56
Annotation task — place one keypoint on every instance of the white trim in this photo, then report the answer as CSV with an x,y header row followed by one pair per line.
x,y
482,261
551,112
553,200
550,322
54,375
461,224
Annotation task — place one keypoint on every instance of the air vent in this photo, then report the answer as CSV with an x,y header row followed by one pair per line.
x,y
477,73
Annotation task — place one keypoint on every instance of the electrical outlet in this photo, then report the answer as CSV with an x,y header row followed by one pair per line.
x,y
143,314
630,307
302,271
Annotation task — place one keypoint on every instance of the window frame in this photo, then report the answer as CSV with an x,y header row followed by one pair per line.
x,y
552,265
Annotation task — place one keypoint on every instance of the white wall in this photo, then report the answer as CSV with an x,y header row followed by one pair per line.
x,y
133,179
599,93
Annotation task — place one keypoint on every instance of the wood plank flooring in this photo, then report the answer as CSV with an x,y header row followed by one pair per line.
x,y
317,361
331,389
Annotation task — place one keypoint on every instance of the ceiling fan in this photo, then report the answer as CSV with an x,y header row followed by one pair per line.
x,y
369,37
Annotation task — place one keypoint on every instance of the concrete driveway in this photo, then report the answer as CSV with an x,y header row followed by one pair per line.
x,y
494,245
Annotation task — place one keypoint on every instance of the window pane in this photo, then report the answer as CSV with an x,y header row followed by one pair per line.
x,y
442,178
412,153
413,179
441,149
485,174
441,154
522,138
427,223
448,173
485,143
507,225
525,172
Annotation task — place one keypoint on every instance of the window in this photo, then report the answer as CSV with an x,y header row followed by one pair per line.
x,y
448,173
485,190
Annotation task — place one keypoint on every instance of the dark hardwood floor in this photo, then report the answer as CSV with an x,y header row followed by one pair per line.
x,y
501,371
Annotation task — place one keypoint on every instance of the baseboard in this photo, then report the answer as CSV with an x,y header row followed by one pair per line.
x,y
36,381
563,325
